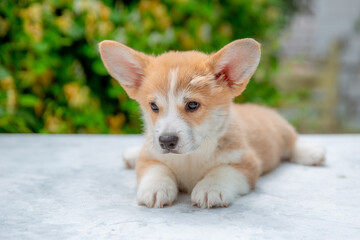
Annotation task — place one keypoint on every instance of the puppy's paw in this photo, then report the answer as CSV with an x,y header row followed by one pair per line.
x,y
130,156
157,193
307,154
207,194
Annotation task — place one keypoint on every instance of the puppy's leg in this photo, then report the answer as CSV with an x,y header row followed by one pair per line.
x,y
307,154
130,156
224,183
157,185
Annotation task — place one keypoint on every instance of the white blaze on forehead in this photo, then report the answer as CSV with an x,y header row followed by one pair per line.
x,y
175,97
167,101
172,103
173,79
170,121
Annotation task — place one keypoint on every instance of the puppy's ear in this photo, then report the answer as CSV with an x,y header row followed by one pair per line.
x,y
235,63
124,64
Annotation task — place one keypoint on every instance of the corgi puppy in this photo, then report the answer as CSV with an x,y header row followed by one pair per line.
x,y
197,140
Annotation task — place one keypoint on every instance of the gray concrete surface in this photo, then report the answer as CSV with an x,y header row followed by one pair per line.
x,y
76,187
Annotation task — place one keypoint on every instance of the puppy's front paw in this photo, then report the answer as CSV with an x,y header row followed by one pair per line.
x,y
130,156
157,193
208,194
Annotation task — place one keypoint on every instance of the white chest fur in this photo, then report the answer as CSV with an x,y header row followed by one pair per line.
x,y
191,168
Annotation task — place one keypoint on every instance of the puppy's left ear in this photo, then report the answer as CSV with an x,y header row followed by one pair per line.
x,y
235,63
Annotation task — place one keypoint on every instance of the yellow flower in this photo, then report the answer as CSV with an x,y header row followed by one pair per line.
x,y
65,21
7,84
90,24
4,26
104,12
53,124
158,10
116,122
104,28
76,96
33,21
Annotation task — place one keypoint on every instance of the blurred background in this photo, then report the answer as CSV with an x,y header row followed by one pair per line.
x,y
53,81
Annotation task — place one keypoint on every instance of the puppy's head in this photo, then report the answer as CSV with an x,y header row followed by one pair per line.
x,y
185,96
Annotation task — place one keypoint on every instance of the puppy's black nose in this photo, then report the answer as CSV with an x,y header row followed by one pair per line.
x,y
168,141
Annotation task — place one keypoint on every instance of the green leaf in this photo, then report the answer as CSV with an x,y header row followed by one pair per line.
x,y
28,100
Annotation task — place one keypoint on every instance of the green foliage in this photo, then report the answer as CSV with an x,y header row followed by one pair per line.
x,y
53,81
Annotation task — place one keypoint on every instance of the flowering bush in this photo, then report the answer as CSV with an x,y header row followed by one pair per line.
x,y
53,81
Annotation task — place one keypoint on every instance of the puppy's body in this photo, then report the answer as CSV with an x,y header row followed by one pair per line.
x,y
197,140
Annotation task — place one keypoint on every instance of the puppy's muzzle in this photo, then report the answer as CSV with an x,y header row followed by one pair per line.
x,y
168,142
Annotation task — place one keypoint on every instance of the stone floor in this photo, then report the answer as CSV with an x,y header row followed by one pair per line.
x,y
76,187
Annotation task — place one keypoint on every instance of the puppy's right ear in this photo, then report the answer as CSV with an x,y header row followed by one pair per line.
x,y
124,64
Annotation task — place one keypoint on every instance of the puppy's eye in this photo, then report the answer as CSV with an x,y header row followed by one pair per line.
x,y
154,107
192,106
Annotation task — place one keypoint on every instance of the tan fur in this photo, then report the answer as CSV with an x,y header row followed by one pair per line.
x,y
267,137
267,134
250,166
144,162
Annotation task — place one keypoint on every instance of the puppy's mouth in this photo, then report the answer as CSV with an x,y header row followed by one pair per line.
x,y
177,151
167,151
